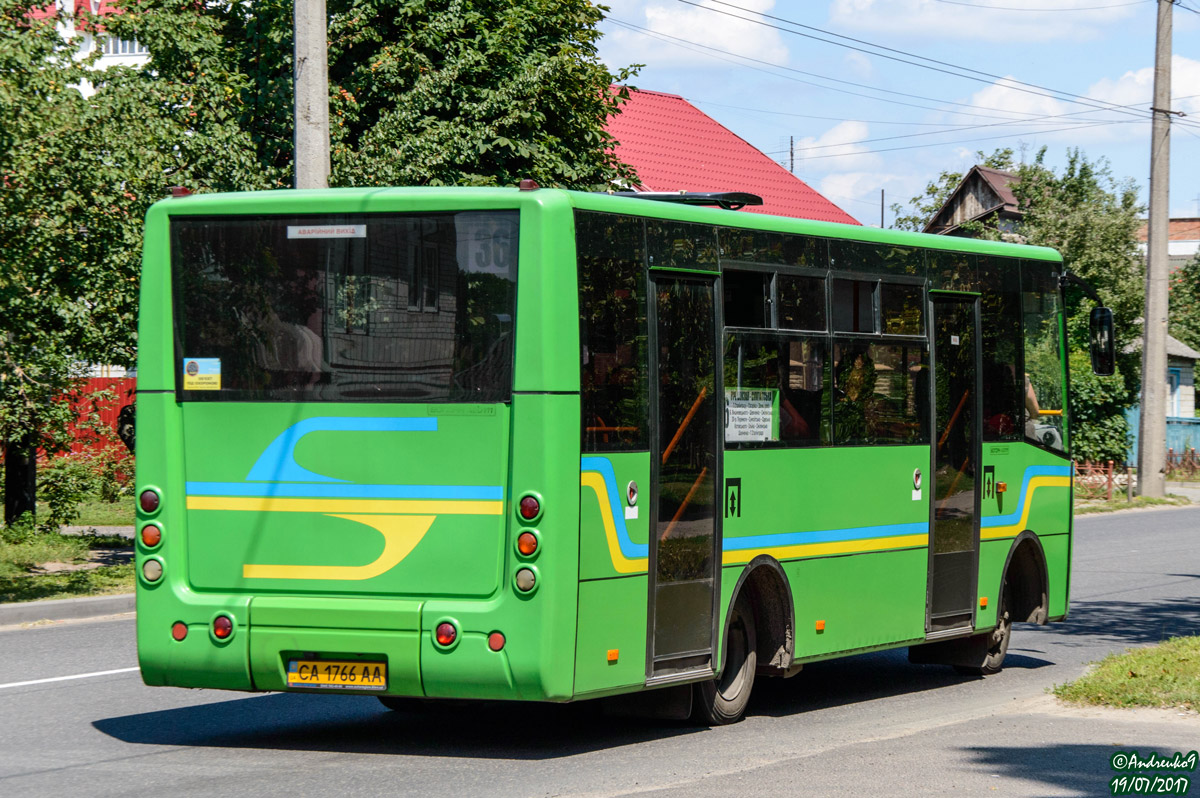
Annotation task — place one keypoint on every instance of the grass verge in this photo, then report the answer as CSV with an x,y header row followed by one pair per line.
x,y
1165,675
94,512
1170,500
24,577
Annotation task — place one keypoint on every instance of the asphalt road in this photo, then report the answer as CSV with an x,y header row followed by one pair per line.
x,y
867,725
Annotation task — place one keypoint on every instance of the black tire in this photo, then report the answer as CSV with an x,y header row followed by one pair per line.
x,y
993,661
722,701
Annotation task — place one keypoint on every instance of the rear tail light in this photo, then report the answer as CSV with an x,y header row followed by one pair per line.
x,y
151,536
179,630
527,543
152,570
530,508
222,627
496,641
149,501
446,633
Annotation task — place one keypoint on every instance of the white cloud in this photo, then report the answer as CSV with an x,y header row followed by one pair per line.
x,y
837,141
1136,88
702,26
859,64
1133,90
930,19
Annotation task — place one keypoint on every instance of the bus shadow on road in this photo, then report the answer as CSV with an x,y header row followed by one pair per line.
x,y
865,677
505,730
357,724
1131,623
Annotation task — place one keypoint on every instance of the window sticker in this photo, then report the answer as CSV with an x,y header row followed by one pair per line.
x,y
752,415
202,374
327,231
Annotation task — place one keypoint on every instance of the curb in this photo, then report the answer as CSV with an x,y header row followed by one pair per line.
x,y
65,609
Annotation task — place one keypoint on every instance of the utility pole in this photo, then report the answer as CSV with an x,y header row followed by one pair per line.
x,y
881,208
311,83
1152,435
792,154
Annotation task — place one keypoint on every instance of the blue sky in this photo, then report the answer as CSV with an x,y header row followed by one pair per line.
x,y
1101,51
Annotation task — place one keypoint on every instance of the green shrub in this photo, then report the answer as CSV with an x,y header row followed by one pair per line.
x,y
1099,431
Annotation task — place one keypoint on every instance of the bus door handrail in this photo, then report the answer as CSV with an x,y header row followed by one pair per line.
x,y
953,418
684,425
683,505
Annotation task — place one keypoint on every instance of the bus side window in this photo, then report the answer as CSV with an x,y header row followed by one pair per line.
x,y
880,392
854,306
776,390
612,333
1043,378
1000,324
747,299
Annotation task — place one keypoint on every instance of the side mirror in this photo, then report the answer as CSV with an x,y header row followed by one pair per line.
x,y
1102,348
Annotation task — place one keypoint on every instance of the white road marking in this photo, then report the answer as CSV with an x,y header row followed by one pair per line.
x,y
66,678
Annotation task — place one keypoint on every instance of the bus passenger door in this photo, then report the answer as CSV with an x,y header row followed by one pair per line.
x,y
954,487
684,540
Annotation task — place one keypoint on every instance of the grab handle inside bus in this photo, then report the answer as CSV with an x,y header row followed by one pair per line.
x,y
684,424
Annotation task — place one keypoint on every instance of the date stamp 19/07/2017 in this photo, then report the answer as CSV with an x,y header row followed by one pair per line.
x,y
1151,774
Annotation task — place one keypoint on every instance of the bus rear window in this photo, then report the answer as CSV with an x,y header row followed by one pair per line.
x,y
348,308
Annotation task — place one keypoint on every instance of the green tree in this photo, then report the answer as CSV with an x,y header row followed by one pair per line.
x,y
422,92
1183,320
72,196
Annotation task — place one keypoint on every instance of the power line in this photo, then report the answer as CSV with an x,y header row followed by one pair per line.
x,y
1012,83
960,141
1051,10
696,46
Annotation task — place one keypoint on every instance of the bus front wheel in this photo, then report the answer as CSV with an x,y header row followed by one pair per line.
x,y
724,700
993,659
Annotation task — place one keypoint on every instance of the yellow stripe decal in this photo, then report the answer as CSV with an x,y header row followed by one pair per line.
x,y
624,565
333,506
401,534
1012,530
825,549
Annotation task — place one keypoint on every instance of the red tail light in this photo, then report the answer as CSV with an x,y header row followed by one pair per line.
x,y
179,630
148,501
496,641
446,633
530,507
222,627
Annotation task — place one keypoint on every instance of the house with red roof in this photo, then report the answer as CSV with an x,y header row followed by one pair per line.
x,y
674,146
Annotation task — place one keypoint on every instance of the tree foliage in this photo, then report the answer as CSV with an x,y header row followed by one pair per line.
x,y
422,92
1184,318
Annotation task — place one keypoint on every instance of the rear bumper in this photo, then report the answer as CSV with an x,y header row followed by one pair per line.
x,y
271,631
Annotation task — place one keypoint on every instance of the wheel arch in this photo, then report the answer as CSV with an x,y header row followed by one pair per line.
x,y
770,593
1028,579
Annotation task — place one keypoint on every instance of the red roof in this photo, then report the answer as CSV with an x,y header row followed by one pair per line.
x,y
675,146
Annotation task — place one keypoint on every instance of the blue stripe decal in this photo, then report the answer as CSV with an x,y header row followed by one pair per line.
x,y
326,491
278,463
602,466
823,536
1015,516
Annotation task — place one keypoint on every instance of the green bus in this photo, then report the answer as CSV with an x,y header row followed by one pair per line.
x,y
533,444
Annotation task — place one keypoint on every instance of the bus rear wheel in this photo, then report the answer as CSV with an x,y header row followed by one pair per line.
x,y
722,701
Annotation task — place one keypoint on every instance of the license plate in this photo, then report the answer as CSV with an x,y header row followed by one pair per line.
x,y
337,674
